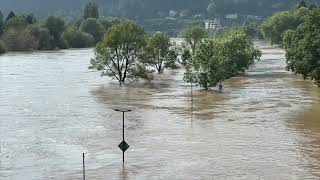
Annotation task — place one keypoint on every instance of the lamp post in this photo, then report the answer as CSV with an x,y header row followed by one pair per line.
x,y
123,145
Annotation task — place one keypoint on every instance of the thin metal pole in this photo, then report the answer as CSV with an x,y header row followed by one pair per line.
x,y
123,135
83,166
191,98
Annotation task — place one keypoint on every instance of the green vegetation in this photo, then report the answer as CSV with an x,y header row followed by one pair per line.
x,y
42,36
118,54
94,27
18,40
273,28
2,47
127,52
56,26
10,15
298,33
23,32
77,38
216,60
193,37
302,47
160,53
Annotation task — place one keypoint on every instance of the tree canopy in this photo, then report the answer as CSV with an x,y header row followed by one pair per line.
x,y
118,54
218,59
273,28
56,26
160,53
302,47
94,27
193,36
77,38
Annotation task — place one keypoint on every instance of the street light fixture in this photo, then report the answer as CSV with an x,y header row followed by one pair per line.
x,y
123,145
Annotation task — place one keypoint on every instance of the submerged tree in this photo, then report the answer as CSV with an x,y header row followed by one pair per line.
x,y
42,36
216,60
117,55
193,37
77,38
2,47
94,27
19,40
56,26
160,53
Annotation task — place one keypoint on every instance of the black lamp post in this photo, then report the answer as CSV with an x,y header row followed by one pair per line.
x,y
123,145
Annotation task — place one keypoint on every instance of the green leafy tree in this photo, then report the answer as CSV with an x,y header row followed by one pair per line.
x,y
238,50
193,36
160,53
30,18
17,22
63,43
216,60
274,27
108,22
44,41
91,11
117,55
19,40
1,23
77,38
302,47
10,15
94,27
56,26
185,54
2,47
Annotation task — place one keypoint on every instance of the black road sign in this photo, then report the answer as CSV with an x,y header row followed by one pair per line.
x,y
123,146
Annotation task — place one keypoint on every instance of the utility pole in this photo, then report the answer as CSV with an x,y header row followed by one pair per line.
x,y
123,145
83,167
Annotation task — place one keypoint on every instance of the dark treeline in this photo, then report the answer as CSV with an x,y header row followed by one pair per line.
x,y
24,32
127,8
149,8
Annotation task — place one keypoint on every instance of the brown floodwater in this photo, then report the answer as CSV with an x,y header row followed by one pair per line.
x,y
265,124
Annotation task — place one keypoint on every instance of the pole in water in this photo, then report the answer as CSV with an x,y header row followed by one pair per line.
x,y
123,145
191,99
123,135
83,167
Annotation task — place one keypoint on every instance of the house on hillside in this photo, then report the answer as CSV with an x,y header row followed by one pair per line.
x,y
212,24
232,16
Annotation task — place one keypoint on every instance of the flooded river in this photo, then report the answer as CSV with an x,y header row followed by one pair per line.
x,y
265,125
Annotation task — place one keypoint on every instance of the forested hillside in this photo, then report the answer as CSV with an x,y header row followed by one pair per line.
x,y
149,8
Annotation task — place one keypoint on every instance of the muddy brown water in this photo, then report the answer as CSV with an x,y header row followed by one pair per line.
x,y
265,124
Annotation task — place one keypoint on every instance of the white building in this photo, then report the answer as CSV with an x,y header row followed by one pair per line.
x,y
212,24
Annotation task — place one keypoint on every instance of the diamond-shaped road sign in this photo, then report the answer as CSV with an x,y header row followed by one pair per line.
x,y
123,146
